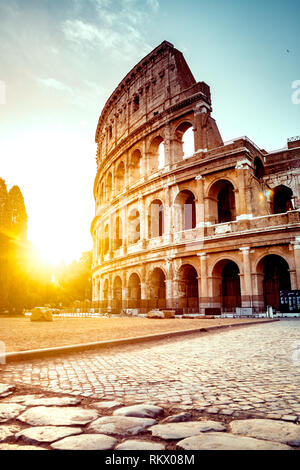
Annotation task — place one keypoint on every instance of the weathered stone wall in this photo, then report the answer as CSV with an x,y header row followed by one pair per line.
x,y
189,232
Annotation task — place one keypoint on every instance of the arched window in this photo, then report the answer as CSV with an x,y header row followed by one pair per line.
x,y
158,289
276,277
135,166
134,291
108,187
185,211
156,154
282,199
156,219
120,174
222,202
118,233
259,170
134,226
226,285
185,139
106,239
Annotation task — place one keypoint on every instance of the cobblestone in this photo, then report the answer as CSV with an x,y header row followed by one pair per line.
x,y
249,368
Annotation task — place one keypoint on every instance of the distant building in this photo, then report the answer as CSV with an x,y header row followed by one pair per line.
x,y
215,229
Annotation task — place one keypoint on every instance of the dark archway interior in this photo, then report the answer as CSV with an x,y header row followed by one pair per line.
x,y
282,199
231,289
226,203
276,278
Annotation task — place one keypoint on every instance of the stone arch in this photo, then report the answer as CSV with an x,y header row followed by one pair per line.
x,y
156,154
120,177
184,210
282,199
118,238
105,292
221,196
226,287
106,239
259,169
188,293
134,290
273,276
156,219
108,189
117,295
184,137
157,288
134,226
135,166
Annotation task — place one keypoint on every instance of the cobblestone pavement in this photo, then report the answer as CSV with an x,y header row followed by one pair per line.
x,y
254,369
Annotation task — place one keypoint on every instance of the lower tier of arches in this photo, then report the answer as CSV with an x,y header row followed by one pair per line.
x,y
199,285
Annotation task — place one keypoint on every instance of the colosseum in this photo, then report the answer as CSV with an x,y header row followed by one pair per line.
x,y
209,229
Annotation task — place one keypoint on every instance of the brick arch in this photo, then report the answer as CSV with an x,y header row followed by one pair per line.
x,y
190,262
277,252
225,257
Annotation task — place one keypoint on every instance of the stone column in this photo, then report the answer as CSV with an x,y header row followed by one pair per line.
x,y
144,290
144,160
168,235
111,236
204,300
246,293
296,244
141,209
170,285
200,210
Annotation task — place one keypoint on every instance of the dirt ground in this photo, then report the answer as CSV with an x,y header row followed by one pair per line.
x,y
20,334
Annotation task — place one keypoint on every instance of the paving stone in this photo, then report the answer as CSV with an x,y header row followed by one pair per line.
x,y
140,445
226,441
5,388
268,429
7,430
57,416
180,417
52,401
21,398
121,425
291,418
106,404
86,442
10,411
47,433
139,411
19,447
181,430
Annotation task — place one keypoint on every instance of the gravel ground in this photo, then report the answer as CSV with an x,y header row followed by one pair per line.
x,y
20,334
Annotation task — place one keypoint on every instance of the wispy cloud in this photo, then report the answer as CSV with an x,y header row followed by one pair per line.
x,y
117,28
56,84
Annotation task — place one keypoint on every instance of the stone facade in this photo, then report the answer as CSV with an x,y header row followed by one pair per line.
x,y
214,230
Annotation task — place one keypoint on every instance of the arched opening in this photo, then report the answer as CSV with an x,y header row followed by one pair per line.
x,y
134,291
105,293
188,295
135,166
226,286
157,289
156,219
222,202
106,239
282,199
117,295
120,175
134,226
156,154
185,211
118,233
108,186
275,277
259,170
185,140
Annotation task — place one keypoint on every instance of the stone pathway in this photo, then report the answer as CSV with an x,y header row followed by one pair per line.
x,y
235,389
85,425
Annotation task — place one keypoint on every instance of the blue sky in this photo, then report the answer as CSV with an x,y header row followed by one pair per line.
x,y
60,61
